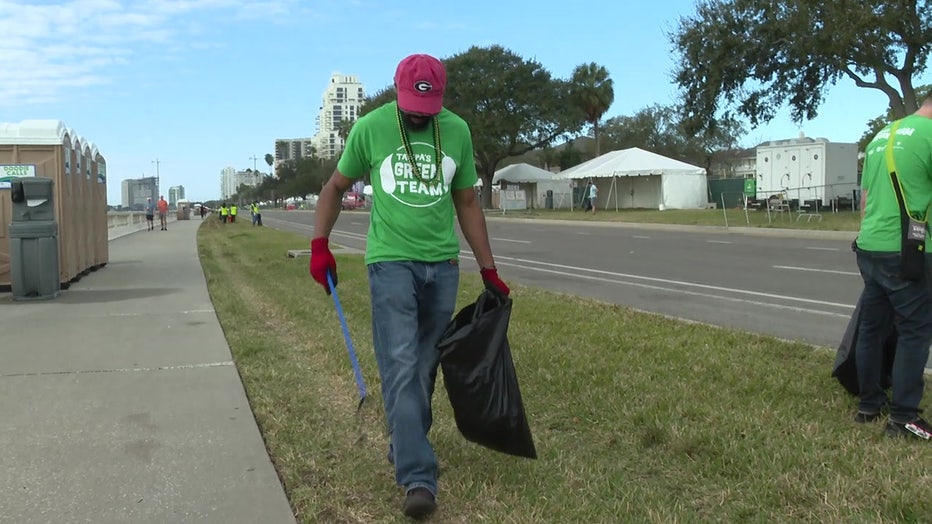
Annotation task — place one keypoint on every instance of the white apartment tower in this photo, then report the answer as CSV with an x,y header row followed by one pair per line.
x,y
342,99
227,182
175,193
231,180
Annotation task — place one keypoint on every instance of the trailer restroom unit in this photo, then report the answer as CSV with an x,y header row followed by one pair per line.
x,y
806,169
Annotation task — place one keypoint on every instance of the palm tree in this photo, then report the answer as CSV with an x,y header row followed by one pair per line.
x,y
269,159
343,129
593,92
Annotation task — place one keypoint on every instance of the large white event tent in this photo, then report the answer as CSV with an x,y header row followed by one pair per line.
x,y
643,180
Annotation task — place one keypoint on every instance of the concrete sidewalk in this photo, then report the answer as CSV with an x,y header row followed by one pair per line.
x,y
119,400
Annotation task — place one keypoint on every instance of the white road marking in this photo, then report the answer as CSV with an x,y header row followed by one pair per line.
x,y
511,240
719,242
640,236
518,262
823,248
813,270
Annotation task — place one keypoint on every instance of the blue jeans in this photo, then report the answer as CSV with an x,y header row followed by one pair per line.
x,y
890,301
412,304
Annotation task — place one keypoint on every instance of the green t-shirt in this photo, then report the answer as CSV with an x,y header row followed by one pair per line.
x,y
912,153
411,217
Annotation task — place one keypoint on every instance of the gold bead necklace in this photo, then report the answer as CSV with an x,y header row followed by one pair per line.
x,y
406,142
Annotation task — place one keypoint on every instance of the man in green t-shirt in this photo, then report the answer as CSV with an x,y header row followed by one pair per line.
x,y
888,299
419,158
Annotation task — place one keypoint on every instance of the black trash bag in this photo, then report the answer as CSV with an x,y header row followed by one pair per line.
x,y
845,368
480,378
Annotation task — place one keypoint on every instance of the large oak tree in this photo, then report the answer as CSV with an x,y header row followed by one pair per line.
x,y
752,57
513,105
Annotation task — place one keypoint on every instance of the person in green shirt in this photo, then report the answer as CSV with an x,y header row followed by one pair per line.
x,y
419,158
888,299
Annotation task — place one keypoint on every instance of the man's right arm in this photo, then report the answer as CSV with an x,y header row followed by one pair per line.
x,y
328,204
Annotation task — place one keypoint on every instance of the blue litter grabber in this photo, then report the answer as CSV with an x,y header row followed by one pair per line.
x,y
360,383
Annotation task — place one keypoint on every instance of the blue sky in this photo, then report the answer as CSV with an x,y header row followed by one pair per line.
x,y
205,84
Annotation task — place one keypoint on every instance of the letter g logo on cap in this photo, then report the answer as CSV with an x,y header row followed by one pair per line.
x,y
423,86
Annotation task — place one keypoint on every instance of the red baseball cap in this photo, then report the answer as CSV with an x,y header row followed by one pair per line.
x,y
420,81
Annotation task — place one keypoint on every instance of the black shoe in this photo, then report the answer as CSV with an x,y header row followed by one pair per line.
x,y
917,429
863,418
419,503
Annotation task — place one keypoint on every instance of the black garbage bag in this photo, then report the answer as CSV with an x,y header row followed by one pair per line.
x,y
845,368
480,378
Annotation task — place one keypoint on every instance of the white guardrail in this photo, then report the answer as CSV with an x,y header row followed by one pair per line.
x,y
124,218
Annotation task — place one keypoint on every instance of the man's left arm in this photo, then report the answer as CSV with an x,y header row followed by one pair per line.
x,y
472,223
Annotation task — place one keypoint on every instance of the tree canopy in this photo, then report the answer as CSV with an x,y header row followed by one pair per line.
x,y
876,124
660,129
752,57
513,105
293,178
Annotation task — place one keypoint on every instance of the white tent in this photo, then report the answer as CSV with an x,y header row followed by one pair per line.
x,y
522,173
536,182
644,180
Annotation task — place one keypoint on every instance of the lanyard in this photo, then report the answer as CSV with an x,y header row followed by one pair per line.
x,y
891,166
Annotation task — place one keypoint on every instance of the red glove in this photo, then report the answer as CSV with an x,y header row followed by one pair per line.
x,y
322,262
492,282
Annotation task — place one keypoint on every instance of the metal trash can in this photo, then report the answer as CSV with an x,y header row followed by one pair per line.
x,y
548,203
34,260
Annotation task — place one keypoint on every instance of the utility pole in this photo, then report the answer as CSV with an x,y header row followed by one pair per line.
x,y
254,173
157,188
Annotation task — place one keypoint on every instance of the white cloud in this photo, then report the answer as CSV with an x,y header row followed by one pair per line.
x,y
50,48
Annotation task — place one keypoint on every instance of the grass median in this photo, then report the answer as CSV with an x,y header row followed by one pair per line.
x,y
636,417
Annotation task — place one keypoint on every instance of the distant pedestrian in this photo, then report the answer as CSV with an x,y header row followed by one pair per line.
x,y
233,212
163,213
593,195
203,211
256,214
150,213
224,213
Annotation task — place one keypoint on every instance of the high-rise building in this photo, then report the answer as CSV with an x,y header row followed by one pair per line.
x,y
227,182
341,101
175,193
231,180
136,191
293,148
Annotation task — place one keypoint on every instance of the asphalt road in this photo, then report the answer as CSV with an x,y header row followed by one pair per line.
x,y
769,282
